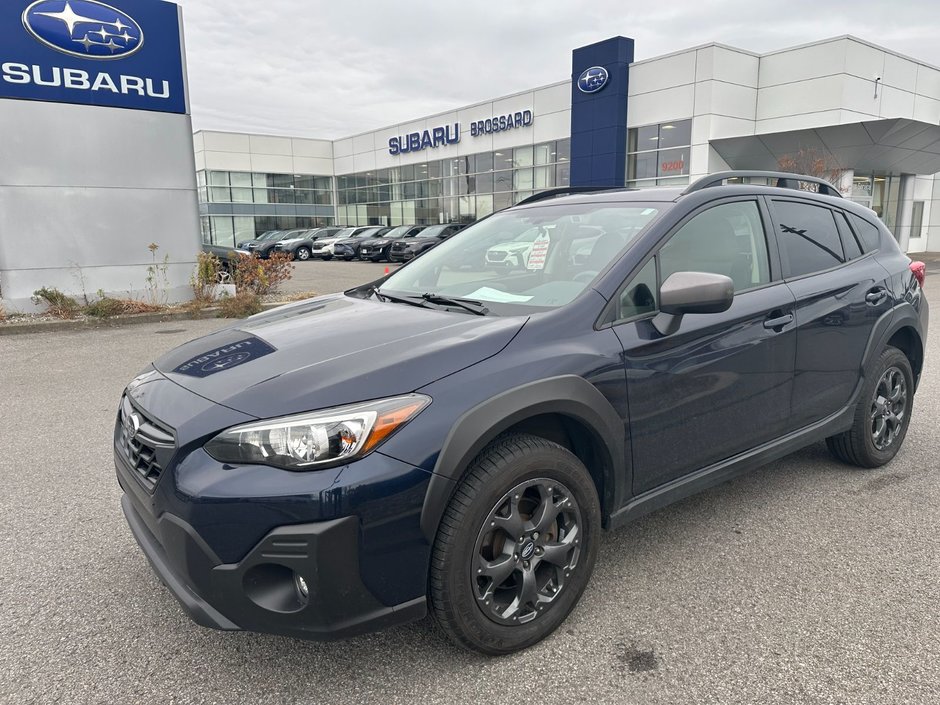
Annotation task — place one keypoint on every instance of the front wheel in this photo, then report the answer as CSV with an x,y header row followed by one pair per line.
x,y
516,546
882,415
303,254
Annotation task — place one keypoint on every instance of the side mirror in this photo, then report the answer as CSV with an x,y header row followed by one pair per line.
x,y
691,292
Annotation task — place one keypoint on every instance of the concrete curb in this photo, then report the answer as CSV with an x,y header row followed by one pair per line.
x,y
115,321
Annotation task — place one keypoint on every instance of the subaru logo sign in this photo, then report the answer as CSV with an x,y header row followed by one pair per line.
x,y
593,79
84,28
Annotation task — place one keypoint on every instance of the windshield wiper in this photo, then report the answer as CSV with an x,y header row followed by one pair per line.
x,y
431,300
474,307
382,296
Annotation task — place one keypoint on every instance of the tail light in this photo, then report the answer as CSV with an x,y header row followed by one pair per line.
x,y
919,270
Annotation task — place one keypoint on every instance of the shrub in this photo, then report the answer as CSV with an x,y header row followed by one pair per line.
x,y
107,306
262,276
242,305
206,276
59,305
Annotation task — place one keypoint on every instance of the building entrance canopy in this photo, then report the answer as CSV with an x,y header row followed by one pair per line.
x,y
898,146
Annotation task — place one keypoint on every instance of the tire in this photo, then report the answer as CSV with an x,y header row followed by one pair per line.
x,y
464,602
302,254
881,420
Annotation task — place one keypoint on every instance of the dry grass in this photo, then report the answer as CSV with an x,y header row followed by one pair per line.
x,y
106,307
298,296
242,305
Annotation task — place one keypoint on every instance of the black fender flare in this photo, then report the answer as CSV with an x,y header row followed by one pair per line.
x,y
902,316
567,395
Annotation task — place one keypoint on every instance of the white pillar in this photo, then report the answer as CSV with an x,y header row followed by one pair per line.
x,y
905,210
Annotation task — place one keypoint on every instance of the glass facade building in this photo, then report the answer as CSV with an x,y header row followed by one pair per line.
x,y
237,206
457,189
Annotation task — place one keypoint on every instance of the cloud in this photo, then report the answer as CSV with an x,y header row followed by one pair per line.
x,y
332,69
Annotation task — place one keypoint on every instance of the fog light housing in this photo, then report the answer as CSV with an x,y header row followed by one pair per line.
x,y
302,588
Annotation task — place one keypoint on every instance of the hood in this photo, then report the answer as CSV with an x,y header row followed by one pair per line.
x,y
330,351
325,241
291,241
376,241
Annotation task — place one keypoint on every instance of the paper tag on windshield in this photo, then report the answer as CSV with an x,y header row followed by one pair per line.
x,y
539,252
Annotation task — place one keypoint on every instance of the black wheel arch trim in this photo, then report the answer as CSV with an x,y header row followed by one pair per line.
x,y
566,395
899,317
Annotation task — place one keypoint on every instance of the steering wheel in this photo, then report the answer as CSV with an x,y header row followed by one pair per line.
x,y
585,277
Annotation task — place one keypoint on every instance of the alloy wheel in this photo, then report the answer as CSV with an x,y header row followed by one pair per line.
x,y
888,408
526,551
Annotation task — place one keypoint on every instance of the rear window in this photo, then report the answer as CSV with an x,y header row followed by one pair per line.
x,y
868,234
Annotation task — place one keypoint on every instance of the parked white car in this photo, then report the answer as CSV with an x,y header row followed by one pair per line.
x,y
513,254
324,248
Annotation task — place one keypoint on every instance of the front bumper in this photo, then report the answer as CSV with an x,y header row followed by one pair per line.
x,y
229,540
260,591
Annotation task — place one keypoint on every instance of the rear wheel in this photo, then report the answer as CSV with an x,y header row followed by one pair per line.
x,y
516,546
882,416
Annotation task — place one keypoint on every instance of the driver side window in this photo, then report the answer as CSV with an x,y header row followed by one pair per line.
x,y
726,239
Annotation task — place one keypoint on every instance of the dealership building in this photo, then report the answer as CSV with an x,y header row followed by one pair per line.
x,y
866,114
102,174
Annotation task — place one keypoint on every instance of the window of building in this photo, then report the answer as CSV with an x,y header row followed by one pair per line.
x,y
431,192
808,237
659,154
917,219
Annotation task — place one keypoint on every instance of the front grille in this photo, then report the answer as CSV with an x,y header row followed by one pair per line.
x,y
145,443
496,256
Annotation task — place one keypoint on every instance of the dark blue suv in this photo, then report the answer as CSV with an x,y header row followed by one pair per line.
x,y
454,439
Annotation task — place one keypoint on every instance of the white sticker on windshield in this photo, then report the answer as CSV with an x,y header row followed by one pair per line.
x,y
486,293
539,252
648,211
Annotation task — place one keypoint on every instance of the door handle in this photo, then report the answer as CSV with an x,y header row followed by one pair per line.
x,y
876,296
778,322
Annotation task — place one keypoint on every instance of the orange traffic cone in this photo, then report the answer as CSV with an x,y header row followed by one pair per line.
x,y
386,270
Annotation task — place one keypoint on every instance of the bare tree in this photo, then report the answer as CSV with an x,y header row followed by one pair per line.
x,y
809,161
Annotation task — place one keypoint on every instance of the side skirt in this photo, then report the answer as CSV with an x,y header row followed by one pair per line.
x,y
725,470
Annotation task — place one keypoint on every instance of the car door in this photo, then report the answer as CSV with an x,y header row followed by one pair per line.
x,y
720,383
840,292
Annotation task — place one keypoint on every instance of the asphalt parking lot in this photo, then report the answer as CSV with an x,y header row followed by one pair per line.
x,y
804,582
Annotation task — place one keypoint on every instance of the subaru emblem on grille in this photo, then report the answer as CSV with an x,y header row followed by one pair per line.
x,y
131,425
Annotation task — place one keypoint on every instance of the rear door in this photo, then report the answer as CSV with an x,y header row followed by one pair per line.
x,y
721,384
840,291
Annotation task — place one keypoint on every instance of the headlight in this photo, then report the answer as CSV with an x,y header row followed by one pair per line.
x,y
317,439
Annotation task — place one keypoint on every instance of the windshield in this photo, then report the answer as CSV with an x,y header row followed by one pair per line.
x,y
398,232
345,232
270,235
433,231
530,259
371,232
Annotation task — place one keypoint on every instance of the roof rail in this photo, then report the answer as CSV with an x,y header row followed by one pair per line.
x,y
784,180
564,191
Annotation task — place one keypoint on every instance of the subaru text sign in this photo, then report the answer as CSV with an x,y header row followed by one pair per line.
x,y
122,54
593,79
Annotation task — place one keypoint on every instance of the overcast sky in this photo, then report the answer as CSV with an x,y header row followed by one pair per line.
x,y
332,69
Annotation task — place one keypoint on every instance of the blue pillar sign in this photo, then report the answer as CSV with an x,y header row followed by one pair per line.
x,y
599,82
121,54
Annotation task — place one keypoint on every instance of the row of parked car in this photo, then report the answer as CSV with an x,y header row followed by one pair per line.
x,y
369,243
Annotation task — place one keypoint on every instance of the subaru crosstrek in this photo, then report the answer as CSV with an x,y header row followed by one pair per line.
x,y
454,441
